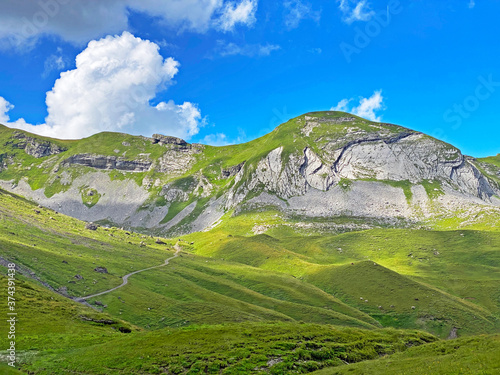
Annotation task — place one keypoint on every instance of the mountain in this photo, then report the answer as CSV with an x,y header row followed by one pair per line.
x,y
326,165
332,243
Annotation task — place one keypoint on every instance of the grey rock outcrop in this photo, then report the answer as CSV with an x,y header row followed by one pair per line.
x,y
412,157
91,226
167,140
35,147
108,162
101,269
231,171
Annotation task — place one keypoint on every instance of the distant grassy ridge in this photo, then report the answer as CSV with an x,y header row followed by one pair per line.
x,y
39,172
452,278
495,160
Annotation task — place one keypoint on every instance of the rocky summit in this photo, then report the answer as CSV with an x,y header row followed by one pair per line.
x,y
331,166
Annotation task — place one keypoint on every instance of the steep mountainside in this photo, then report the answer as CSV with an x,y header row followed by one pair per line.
x,y
328,165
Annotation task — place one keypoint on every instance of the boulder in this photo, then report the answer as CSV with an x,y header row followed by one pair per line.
x,y
101,269
91,226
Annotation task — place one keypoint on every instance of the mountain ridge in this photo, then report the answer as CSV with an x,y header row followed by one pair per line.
x,y
320,164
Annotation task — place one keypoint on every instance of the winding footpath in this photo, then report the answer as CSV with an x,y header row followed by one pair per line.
x,y
125,278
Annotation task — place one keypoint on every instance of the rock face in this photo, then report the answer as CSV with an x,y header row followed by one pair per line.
x,y
380,156
231,171
167,140
179,155
35,147
108,162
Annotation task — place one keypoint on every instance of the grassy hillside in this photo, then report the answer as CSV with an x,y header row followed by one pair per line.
x,y
58,336
56,248
193,290
451,278
476,355
495,160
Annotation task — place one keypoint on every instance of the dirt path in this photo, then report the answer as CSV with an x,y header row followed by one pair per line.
x,y
125,278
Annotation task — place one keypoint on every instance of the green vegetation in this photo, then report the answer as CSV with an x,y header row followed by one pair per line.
x,y
90,196
345,184
454,275
433,188
287,303
475,355
495,160
232,349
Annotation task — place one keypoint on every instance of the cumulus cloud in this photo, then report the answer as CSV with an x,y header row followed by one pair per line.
x,y
472,4
366,108
250,50
296,11
111,88
355,10
78,21
233,13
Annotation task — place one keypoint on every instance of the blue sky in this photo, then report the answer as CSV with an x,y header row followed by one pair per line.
x,y
218,71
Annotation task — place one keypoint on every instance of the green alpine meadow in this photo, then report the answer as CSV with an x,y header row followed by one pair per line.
x,y
332,245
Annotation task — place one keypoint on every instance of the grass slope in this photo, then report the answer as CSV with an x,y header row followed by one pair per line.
x,y
233,349
455,275
50,323
192,290
473,355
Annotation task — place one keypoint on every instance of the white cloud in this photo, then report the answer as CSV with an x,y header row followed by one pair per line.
x,y
219,139
110,90
355,10
342,106
55,62
78,21
233,13
5,107
250,50
296,11
366,108
472,4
